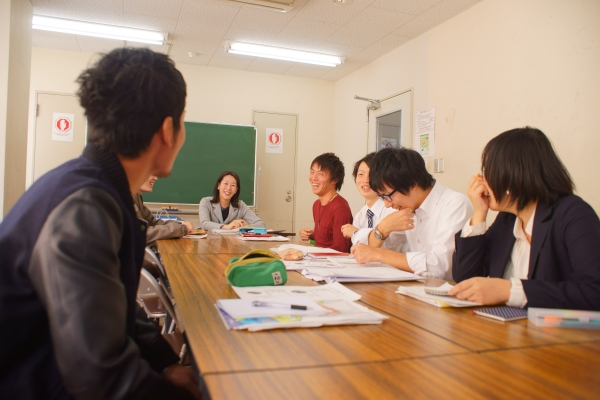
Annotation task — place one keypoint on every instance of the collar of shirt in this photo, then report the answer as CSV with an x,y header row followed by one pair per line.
x,y
518,229
428,206
377,207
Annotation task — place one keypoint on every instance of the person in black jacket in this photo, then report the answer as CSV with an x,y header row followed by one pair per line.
x,y
543,249
71,248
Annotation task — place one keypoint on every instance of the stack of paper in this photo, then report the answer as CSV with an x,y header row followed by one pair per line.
x,y
304,249
344,269
195,236
241,314
418,292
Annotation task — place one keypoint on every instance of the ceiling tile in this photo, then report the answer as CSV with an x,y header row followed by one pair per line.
x,y
369,26
342,70
154,8
213,13
326,11
102,12
54,40
182,47
431,18
302,28
250,36
307,72
239,62
379,48
269,66
258,19
150,23
90,44
413,7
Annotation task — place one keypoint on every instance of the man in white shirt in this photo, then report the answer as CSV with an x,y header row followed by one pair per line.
x,y
372,212
428,214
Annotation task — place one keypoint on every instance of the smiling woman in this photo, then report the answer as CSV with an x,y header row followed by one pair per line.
x,y
224,210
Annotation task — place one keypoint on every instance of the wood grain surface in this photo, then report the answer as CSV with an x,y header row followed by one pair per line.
x,y
420,352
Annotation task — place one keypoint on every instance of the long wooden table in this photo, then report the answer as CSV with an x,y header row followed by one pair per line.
x,y
419,352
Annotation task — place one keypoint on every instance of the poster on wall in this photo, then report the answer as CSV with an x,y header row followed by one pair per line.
x,y
62,127
274,140
425,132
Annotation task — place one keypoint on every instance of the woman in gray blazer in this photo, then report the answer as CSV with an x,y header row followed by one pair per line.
x,y
224,210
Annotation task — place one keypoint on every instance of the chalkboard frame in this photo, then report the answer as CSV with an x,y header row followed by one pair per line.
x,y
206,167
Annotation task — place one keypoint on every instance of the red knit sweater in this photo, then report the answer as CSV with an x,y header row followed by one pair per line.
x,y
329,220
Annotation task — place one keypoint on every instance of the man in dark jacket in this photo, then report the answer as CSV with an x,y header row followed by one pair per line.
x,y
71,249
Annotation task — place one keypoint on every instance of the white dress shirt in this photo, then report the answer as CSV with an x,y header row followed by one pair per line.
x,y
430,244
517,267
380,211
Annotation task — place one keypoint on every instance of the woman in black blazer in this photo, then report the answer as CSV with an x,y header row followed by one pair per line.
x,y
543,249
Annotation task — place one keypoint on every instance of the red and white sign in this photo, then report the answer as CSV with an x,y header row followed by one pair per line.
x,y
274,140
62,127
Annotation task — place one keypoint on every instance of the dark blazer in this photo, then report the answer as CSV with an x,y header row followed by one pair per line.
x,y
564,264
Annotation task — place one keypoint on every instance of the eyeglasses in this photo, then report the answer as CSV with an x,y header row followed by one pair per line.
x,y
387,197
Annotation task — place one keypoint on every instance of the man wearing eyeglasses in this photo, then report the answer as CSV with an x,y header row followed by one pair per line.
x,y
428,214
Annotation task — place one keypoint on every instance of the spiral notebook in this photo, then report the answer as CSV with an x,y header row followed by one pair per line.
x,y
505,313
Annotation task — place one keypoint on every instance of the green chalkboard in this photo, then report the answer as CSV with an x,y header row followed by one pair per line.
x,y
209,149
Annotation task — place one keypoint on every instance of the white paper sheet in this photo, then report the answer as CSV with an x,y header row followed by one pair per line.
x,y
330,291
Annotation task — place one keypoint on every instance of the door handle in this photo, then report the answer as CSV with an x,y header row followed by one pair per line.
x,y
288,198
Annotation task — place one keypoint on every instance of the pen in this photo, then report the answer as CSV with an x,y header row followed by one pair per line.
x,y
268,304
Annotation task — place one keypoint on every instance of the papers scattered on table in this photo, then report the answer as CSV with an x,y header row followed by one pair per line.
x,y
226,231
332,312
418,293
359,274
564,318
195,236
331,291
271,238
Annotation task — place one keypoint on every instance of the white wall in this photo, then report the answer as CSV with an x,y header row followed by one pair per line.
x,y
501,64
223,96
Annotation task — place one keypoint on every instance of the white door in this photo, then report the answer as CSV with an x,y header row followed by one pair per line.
x,y
276,168
391,124
48,151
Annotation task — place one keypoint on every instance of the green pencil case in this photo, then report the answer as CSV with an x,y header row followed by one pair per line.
x,y
256,268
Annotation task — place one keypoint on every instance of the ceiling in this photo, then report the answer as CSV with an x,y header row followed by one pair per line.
x,y
362,31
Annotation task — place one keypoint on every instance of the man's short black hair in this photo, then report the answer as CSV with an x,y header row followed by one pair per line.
x,y
368,159
400,169
330,162
523,162
127,95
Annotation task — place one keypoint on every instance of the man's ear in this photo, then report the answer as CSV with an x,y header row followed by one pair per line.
x,y
167,132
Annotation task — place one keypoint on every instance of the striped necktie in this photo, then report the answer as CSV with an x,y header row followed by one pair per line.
x,y
370,218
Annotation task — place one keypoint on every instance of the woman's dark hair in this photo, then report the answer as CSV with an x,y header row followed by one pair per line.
x,y
127,95
330,162
400,169
368,159
523,162
235,199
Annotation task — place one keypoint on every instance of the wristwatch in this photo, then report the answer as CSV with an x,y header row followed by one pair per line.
x,y
378,235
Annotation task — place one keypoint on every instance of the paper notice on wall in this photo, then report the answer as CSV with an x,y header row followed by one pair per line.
x,y
274,140
425,132
62,127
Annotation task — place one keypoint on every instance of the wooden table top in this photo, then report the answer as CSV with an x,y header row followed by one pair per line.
x,y
463,355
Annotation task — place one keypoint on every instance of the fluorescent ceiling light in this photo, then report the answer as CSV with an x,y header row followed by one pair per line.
x,y
97,30
280,53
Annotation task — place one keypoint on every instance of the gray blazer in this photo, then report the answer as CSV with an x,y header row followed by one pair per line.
x,y
212,218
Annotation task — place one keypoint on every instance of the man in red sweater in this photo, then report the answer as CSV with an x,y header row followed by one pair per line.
x,y
331,211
